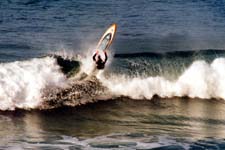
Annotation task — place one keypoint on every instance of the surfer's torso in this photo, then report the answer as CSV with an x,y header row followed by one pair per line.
x,y
100,64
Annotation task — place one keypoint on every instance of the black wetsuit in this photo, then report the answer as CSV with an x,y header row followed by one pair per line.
x,y
100,64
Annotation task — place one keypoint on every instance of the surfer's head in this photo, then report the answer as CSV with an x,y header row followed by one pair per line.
x,y
99,58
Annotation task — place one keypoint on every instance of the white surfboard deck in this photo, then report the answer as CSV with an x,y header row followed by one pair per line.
x,y
106,40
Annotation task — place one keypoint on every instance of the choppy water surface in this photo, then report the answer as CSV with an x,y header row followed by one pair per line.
x,y
29,26
168,94
124,124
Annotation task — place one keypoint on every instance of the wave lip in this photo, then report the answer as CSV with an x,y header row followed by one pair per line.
x,y
22,82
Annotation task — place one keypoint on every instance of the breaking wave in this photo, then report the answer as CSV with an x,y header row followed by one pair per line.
x,y
22,82
55,81
200,80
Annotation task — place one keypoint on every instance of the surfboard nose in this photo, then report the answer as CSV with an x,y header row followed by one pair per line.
x,y
107,38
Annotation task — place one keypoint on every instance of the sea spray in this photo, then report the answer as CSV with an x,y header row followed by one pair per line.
x,y
27,84
200,79
22,82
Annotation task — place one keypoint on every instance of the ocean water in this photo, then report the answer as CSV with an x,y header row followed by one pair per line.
x,y
163,86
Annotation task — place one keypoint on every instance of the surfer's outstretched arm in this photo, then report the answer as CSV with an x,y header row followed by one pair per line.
x,y
94,57
106,56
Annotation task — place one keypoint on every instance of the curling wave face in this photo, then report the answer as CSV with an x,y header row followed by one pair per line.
x,y
177,74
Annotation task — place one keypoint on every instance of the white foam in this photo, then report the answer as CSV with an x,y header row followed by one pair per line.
x,y
22,82
201,80
87,65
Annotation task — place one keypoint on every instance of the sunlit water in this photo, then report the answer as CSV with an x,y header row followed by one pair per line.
x,y
126,124
33,28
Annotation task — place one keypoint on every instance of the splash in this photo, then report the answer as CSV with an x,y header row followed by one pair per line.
x,y
22,82
200,80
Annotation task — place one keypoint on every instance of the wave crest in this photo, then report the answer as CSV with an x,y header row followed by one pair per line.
x,y
22,82
200,80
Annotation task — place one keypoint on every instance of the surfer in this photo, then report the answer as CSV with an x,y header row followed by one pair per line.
x,y
102,47
100,64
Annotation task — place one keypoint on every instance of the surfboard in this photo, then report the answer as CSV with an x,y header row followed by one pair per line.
x,y
107,38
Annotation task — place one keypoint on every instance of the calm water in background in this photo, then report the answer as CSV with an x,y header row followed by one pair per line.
x,y
32,28
28,26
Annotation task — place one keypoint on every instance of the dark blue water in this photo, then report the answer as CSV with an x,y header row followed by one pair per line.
x,y
34,28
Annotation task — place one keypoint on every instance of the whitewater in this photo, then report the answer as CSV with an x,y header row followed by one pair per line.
x,y
200,80
24,83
